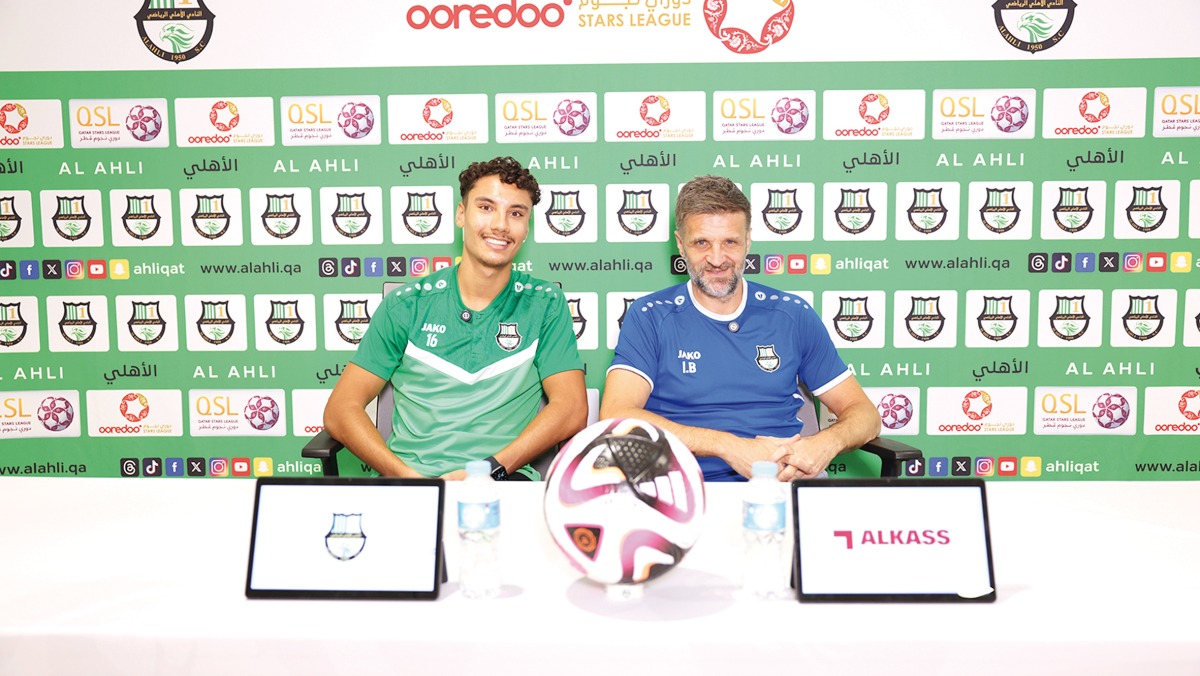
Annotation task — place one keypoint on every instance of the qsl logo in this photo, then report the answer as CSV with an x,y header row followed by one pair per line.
x,y
1111,411
55,413
261,412
895,411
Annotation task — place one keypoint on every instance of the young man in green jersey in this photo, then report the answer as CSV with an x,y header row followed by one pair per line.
x,y
469,350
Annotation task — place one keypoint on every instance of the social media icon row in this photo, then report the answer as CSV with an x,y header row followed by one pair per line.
x,y
393,266
196,467
1111,261
116,268
980,466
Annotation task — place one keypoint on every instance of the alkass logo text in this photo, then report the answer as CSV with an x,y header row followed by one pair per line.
x,y
894,537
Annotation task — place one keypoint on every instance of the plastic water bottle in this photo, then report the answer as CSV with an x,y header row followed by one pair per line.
x,y
479,533
764,531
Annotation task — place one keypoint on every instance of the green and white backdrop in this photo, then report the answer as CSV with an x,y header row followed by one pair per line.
x,y
994,207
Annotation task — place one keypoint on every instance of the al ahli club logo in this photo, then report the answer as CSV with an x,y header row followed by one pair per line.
x,y
1033,29
175,30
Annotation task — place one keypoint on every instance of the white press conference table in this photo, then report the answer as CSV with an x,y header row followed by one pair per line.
x,y
146,576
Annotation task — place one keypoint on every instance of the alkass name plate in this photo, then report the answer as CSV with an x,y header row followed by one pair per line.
x,y
892,540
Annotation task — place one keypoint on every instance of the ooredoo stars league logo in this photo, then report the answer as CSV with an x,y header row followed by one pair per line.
x,y
437,112
874,108
1033,29
977,405
1189,405
224,116
741,41
134,407
175,30
1094,106
14,118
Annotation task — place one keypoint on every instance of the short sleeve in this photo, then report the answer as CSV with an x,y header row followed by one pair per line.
x,y
558,349
637,345
383,345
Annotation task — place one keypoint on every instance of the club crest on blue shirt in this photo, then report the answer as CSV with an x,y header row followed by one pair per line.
x,y
767,359
508,338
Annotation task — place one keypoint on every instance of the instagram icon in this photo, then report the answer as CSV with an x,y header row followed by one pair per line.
x,y
218,467
73,269
984,467
418,267
773,264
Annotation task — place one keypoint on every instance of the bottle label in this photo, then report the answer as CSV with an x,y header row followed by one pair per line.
x,y
479,515
763,516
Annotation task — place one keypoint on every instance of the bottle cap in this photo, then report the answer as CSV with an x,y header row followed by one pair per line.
x,y
479,468
764,468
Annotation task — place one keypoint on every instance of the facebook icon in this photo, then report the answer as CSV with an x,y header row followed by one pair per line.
x,y
939,466
373,267
30,269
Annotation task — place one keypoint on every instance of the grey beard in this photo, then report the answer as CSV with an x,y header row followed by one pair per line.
x,y
707,288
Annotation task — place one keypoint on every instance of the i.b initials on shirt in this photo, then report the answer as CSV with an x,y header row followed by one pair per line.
x,y
688,360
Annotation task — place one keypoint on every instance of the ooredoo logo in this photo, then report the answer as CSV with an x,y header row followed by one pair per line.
x,y
977,405
224,115
1094,106
655,110
874,108
502,15
13,118
437,112
135,407
741,41
1189,405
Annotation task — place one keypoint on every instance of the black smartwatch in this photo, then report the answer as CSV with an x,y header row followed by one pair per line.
x,y
498,472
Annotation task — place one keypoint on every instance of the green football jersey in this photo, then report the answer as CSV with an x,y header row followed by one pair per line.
x,y
466,382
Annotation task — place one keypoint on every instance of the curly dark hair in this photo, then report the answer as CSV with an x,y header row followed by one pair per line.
x,y
509,170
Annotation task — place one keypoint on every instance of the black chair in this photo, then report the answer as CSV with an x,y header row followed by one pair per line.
x,y
893,455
